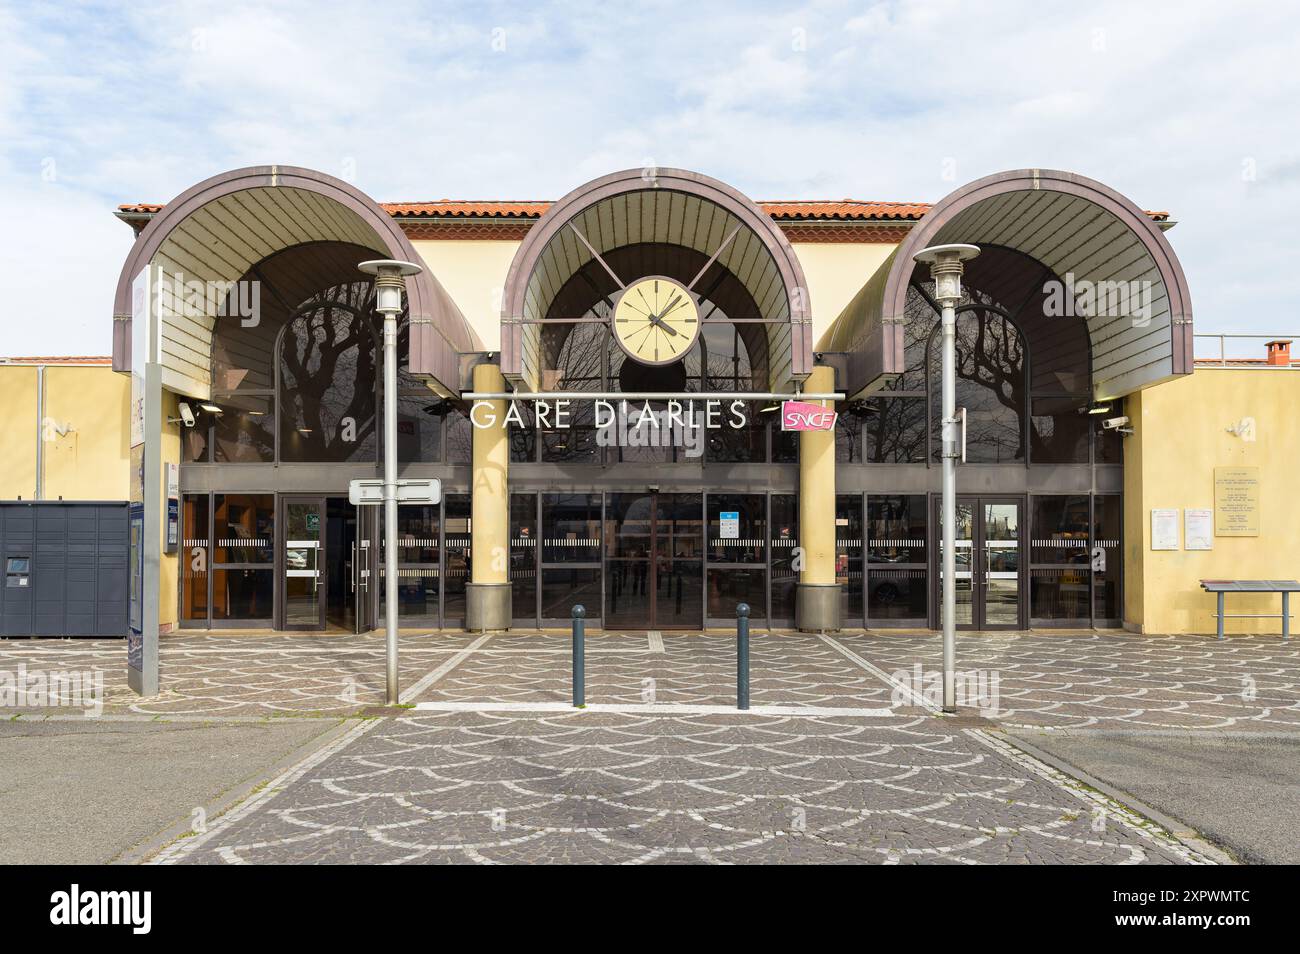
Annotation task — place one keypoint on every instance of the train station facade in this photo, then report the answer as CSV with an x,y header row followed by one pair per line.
x,y
655,397
657,473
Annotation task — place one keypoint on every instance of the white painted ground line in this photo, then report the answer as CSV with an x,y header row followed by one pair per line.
x,y
662,709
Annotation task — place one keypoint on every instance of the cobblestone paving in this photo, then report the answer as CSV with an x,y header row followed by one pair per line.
x,y
1114,680
222,676
447,784
786,669
621,788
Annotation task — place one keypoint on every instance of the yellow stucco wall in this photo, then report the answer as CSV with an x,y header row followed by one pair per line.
x,y
474,274
88,460
17,432
1180,436
835,273
91,461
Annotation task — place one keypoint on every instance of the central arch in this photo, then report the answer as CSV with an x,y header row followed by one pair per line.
x,y
713,224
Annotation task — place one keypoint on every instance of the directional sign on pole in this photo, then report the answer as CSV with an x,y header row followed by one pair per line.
x,y
413,490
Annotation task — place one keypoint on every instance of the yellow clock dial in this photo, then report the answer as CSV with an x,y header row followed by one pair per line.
x,y
656,320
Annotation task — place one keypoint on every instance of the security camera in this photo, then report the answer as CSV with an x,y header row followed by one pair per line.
x,y
1115,423
187,414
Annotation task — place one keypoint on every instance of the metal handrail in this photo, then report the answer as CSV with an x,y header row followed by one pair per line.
x,y
1223,336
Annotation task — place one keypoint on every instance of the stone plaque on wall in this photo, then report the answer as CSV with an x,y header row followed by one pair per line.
x,y
1236,501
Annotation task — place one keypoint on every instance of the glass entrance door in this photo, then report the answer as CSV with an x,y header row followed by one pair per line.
x,y
654,561
990,591
348,565
302,562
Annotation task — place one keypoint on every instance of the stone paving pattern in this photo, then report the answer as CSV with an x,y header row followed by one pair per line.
x,y
538,787
1118,681
615,788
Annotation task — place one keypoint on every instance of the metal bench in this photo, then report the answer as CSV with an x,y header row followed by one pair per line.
x,y
1285,587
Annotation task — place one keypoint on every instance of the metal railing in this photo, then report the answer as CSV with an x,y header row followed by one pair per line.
x,y
1221,356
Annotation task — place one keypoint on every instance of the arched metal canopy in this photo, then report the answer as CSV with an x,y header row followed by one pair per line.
x,y
1071,224
217,230
668,207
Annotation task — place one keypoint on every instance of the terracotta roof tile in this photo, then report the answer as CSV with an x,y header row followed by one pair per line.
x,y
59,359
846,210
467,209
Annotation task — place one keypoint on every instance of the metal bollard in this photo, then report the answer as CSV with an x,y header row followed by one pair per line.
x,y
742,656
579,657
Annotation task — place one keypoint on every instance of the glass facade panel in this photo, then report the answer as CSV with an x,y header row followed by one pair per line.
x,y
460,438
523,556
244,431
896,529
1059,575
1060,530
899,596
785,445
195,555
848,556
571,528
897,574
243,594
419,427
1108,563
577,442
737,528
895,431
456,564
730,587
418,571
563,587
1059,432
746,444
328,381
785,540
244,529
848,438
991,386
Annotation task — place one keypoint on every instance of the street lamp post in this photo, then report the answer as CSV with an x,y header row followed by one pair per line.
x,y
946,266
390,282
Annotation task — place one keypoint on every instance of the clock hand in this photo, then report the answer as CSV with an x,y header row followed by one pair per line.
x,y
664,325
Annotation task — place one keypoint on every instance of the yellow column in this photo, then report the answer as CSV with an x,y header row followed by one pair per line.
x,y
488,596
817,605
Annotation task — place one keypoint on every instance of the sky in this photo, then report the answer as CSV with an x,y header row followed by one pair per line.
x,y
1189,107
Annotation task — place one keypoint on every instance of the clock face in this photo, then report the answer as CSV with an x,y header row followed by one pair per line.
x,y
656,320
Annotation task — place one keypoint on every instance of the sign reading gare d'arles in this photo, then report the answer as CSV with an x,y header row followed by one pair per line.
x,y
387,486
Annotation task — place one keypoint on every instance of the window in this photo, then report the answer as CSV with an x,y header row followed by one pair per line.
x,y
897,576
991,385
1059,573
571,554
328,385
243,557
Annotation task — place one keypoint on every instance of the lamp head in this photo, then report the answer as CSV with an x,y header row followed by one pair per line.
x,y
390,281
946,266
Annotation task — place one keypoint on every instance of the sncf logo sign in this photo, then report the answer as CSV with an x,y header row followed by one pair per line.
x,y
803,416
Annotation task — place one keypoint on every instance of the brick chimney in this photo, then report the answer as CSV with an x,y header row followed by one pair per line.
x,y
1279,353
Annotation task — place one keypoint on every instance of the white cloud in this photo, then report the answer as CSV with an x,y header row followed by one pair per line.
x,y
1168,103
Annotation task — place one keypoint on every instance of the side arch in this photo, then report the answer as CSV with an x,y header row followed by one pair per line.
x,y
1074,226
221,227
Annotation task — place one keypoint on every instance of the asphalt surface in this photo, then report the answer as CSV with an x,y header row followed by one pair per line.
x,y
84,791
1238,790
